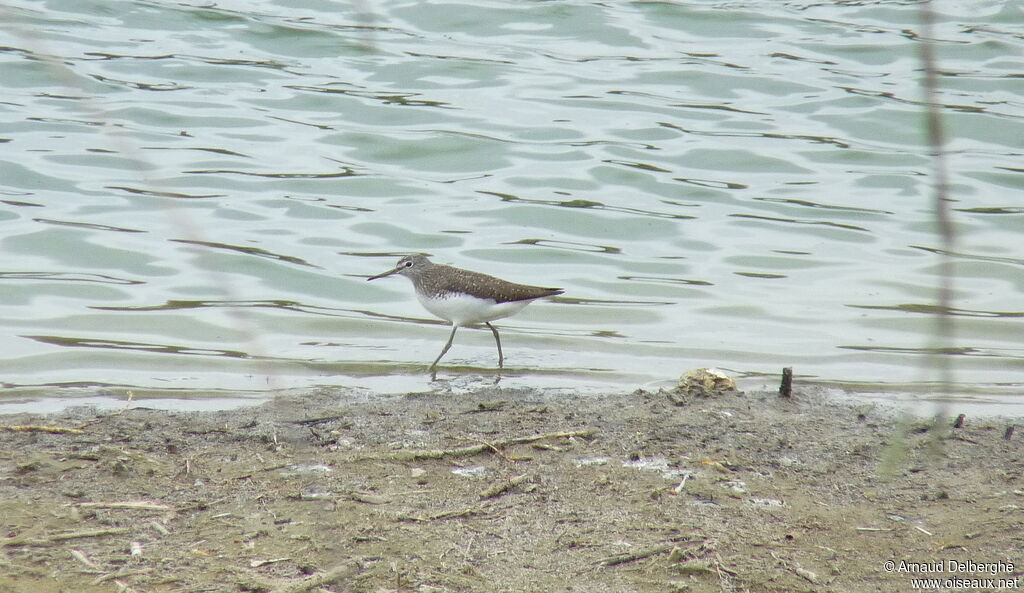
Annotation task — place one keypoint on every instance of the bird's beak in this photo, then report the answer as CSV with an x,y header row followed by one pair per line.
x,y
388,273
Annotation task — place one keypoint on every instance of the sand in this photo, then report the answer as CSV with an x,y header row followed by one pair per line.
x,y
509,490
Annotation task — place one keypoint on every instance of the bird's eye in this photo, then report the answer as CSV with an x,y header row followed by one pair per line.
x,y
408,264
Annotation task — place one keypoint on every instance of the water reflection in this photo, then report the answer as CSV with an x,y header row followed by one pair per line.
x,y
71,342
256,251
844,226
67,277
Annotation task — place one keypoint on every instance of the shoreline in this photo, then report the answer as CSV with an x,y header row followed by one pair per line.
x,y
900,399
505,490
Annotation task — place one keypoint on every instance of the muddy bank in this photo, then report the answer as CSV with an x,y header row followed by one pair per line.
x,y
506,490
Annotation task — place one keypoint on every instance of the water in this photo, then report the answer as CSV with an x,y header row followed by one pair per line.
x,y
194,194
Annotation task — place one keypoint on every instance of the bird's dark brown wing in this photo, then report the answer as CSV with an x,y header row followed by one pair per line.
x,y
502,291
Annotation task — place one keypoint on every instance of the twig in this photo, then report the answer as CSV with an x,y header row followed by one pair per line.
x,y
721,567
503,487
487,407
84,559
494,449
623,558
473,510
124,572
259,563
52,539
809,576
132,504
682,484
250,474
419,454
332,574
40,428
453,514
647,553
127,406
366,497
315,421
159,527
936,137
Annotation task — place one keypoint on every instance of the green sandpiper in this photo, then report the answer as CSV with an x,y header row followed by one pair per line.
x,y
465,298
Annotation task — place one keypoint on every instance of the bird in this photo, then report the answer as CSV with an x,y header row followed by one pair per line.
x,y
465,298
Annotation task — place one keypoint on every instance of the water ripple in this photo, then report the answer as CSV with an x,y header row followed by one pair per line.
x,y
738,185
256,251
71,342
67,277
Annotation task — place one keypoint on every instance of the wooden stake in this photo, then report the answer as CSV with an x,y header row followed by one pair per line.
x,y
786,389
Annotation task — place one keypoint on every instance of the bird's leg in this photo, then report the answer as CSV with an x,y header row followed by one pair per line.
x,y
445,349
497,340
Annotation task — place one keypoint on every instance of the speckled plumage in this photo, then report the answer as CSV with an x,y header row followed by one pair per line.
x,y
434,280
463,297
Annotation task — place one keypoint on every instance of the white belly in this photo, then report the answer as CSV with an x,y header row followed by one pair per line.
x,y
463,309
